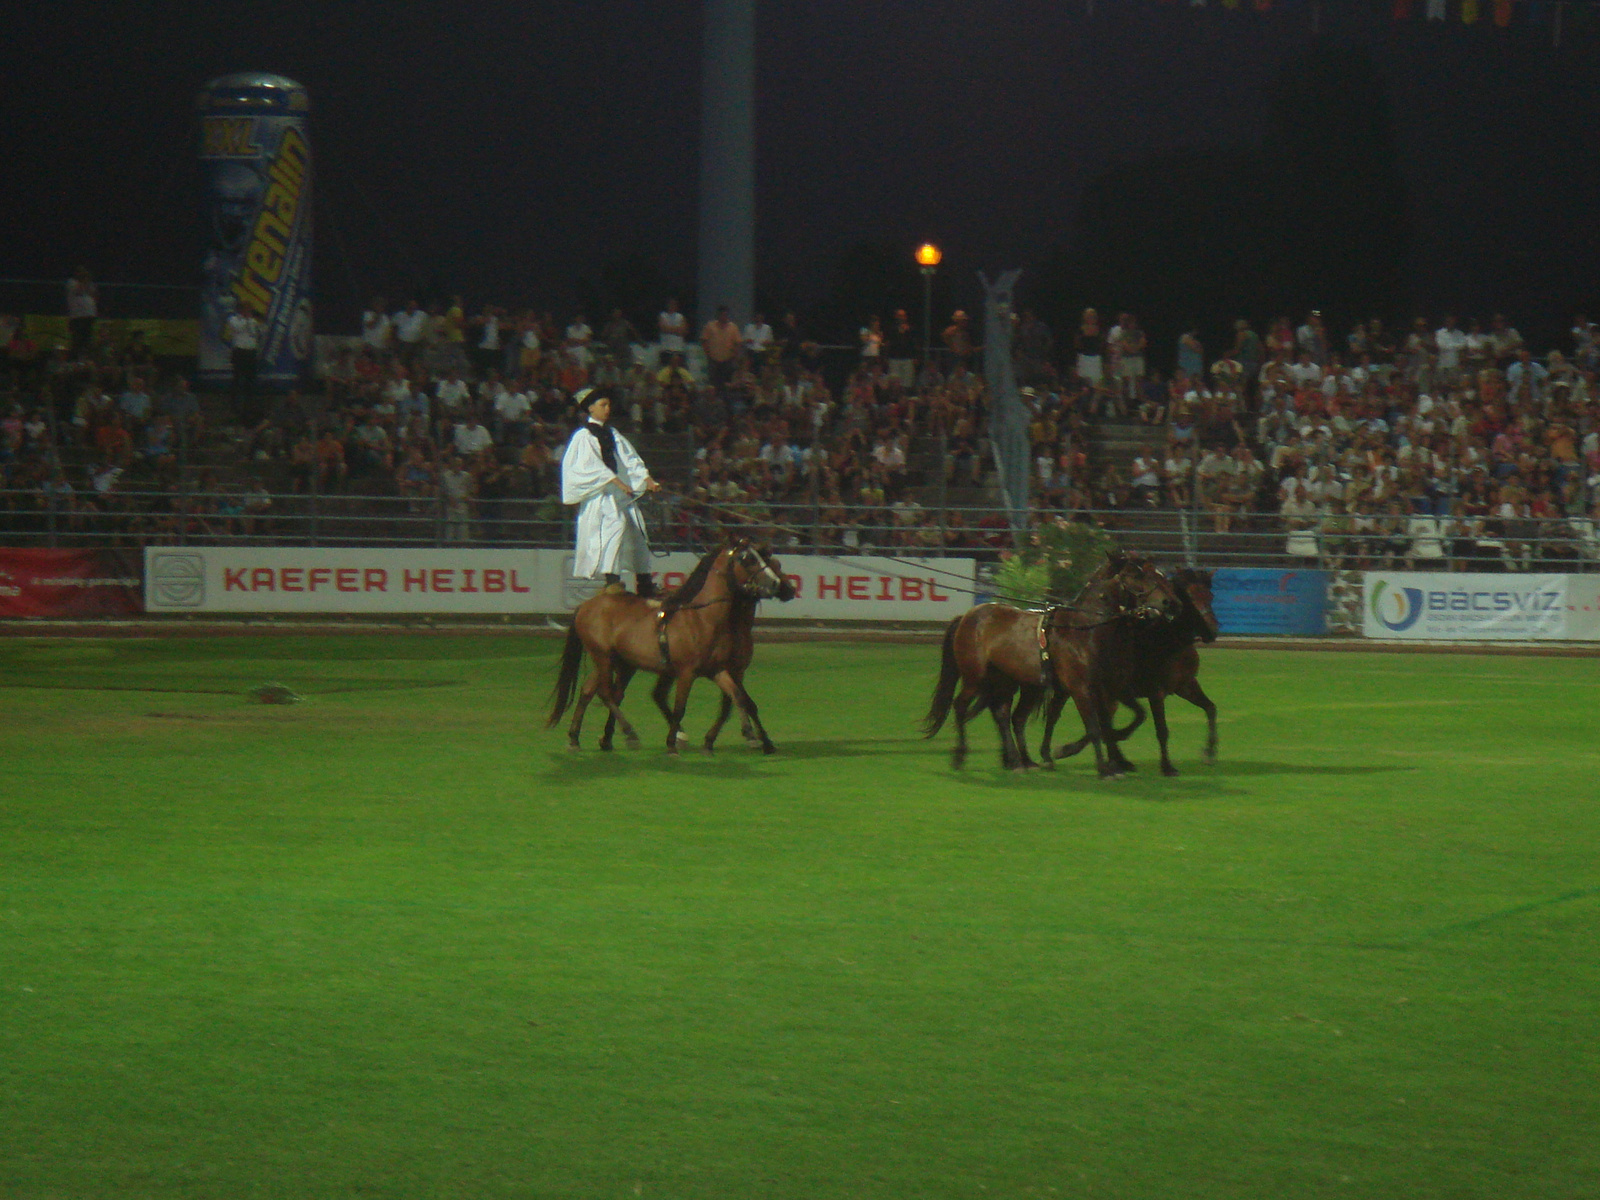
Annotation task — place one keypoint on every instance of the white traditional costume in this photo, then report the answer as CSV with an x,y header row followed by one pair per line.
x,y
611,532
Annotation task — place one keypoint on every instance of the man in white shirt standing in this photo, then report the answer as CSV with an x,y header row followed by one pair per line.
x,y
242,331
377,331
83,306
410,330
1451,342
512,410
672,327
758,338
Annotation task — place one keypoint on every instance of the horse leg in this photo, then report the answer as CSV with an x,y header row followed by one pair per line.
x,y
1118,735
1027,700
611,697
1089,712
1196,695
659,695
1052,714
963,712
624,675
1001,709
716,726
575,726
680,704
1158,710
748,706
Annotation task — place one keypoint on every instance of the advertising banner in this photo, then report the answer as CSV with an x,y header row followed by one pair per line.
x,y
276,579
1257,601
257,160
844,588
280,579
69,583
1426,606
1583,607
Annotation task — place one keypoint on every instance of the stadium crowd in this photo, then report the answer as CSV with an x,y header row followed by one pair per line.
x,y
1380,446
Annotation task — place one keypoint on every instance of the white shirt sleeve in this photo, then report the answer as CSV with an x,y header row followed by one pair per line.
x,y
629,465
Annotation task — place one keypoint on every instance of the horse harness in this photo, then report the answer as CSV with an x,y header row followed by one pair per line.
x,y
662,614
1046,675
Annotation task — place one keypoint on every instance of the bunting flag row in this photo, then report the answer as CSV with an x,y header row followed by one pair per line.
x,y
1560,15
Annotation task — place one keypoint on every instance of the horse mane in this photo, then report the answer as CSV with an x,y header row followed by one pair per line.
x,y
690,587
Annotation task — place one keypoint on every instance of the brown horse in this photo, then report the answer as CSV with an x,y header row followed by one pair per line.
x,y
702,630
995,650
1154,660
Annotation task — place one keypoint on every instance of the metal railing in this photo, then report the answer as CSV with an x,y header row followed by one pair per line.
x,y
43,517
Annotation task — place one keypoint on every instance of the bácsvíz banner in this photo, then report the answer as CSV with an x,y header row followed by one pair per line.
x,y
1447,607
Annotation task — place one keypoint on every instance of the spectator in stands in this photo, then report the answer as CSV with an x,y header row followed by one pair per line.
x,y
470,436
1131,345
83,307
410,332
957,339
672,328
1090,346
377,329
721,342
872,338
1033,351
242,332
759,338
901,350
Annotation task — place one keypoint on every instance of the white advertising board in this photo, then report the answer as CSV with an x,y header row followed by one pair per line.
x,y
276,579
1583,607
1447,607
843,588
282,579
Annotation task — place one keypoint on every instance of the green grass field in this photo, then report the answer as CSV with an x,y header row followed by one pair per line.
x,y
396,941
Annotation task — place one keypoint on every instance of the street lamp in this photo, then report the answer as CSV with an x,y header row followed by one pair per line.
x,y
928,258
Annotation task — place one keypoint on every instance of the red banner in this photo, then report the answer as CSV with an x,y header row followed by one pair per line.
x,y
71,583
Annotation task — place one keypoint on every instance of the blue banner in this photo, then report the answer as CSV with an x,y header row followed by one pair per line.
x,y
257,161
1254,600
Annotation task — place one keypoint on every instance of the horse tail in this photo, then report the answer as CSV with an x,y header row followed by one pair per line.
x,y
944,692
567,681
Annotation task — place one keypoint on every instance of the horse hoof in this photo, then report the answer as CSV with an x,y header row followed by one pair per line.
x,y
632,741
1169,770
574,746
769,748
708,748
683,738
606,746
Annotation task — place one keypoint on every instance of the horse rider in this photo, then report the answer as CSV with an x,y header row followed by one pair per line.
x,y
604,476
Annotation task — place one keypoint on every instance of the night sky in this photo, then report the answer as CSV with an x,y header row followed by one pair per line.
x,y
508,150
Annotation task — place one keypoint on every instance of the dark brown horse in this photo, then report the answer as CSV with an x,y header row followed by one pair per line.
x,y
994,651
1153,660
703,630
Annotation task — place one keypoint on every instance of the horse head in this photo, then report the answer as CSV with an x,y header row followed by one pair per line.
x,y
1194,588
754,572
1139,590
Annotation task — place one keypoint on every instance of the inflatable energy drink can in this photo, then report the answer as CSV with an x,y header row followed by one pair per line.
x,y
257,162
